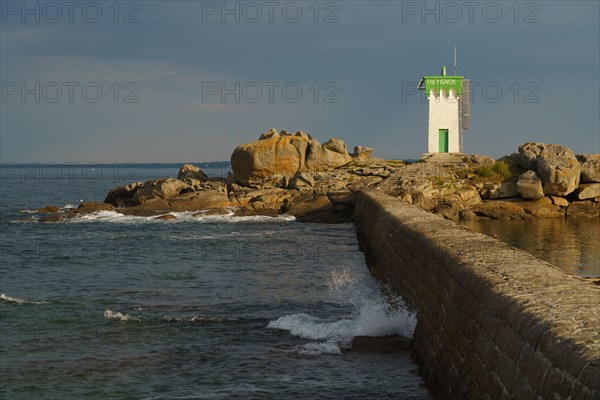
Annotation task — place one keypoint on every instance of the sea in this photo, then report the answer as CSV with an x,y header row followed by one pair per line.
x,y
108,306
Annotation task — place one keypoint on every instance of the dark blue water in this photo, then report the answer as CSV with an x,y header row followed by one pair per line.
x,y
110,306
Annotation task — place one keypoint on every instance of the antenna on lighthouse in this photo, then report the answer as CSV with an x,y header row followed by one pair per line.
x,y
454,60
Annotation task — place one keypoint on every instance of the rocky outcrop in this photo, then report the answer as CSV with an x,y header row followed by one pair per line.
x,y
559,201
166,217
200,200
362,153
282,155
529,185
590,167
93,206
301,180
518,209
501,190
84,208
293,173
499,210
303,134
49,209
479,159
189,173
588,191
285,154
332,154
583,210
559,170
272,133
122,196
164,189
528,153
556,165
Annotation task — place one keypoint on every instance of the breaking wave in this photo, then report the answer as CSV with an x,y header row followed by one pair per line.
x,y
17,300
109,314
186,216
373,315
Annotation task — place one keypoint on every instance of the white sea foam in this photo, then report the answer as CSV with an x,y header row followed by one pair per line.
x,y
316,348
373,316
109,314
186,216
10,299
373,319
339,279
194,318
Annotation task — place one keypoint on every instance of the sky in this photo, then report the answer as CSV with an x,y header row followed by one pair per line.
x,y
188,81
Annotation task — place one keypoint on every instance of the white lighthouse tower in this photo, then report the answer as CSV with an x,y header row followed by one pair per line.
x,y
448,116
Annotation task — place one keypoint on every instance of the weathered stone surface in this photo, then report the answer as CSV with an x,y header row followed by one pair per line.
x,y
516,326
92,206
559,201
559,169
480,159
189,173
303,135
164,188
529,186
528,153
583,158
283,155
556,165
330,155
49,209
499,210
156,206
371,170
362,153
543,208
590,170
301,180
502,190
336,145
446,210
166,217
343,197
582,211
363,183
588,191
211,212
272,133
200,200
52,218
466,215
272,195
122,196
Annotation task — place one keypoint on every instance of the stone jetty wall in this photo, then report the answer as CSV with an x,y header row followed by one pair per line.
x,y
494,322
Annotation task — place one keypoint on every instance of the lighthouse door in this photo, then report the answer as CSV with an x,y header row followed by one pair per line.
x,y
443,141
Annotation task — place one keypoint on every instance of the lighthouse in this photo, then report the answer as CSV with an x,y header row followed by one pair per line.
x,y
448,115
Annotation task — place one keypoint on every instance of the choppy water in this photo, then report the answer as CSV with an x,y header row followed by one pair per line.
x,y
218,307
573,244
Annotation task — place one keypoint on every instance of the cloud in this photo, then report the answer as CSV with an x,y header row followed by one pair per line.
x,y
166,60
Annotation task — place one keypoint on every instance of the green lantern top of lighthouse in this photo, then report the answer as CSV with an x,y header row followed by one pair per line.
x,y
437,83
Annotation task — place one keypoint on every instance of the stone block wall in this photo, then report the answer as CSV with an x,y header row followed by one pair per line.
x,y
494,322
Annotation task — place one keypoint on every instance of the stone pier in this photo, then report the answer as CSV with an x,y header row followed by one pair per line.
x,y
494,322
